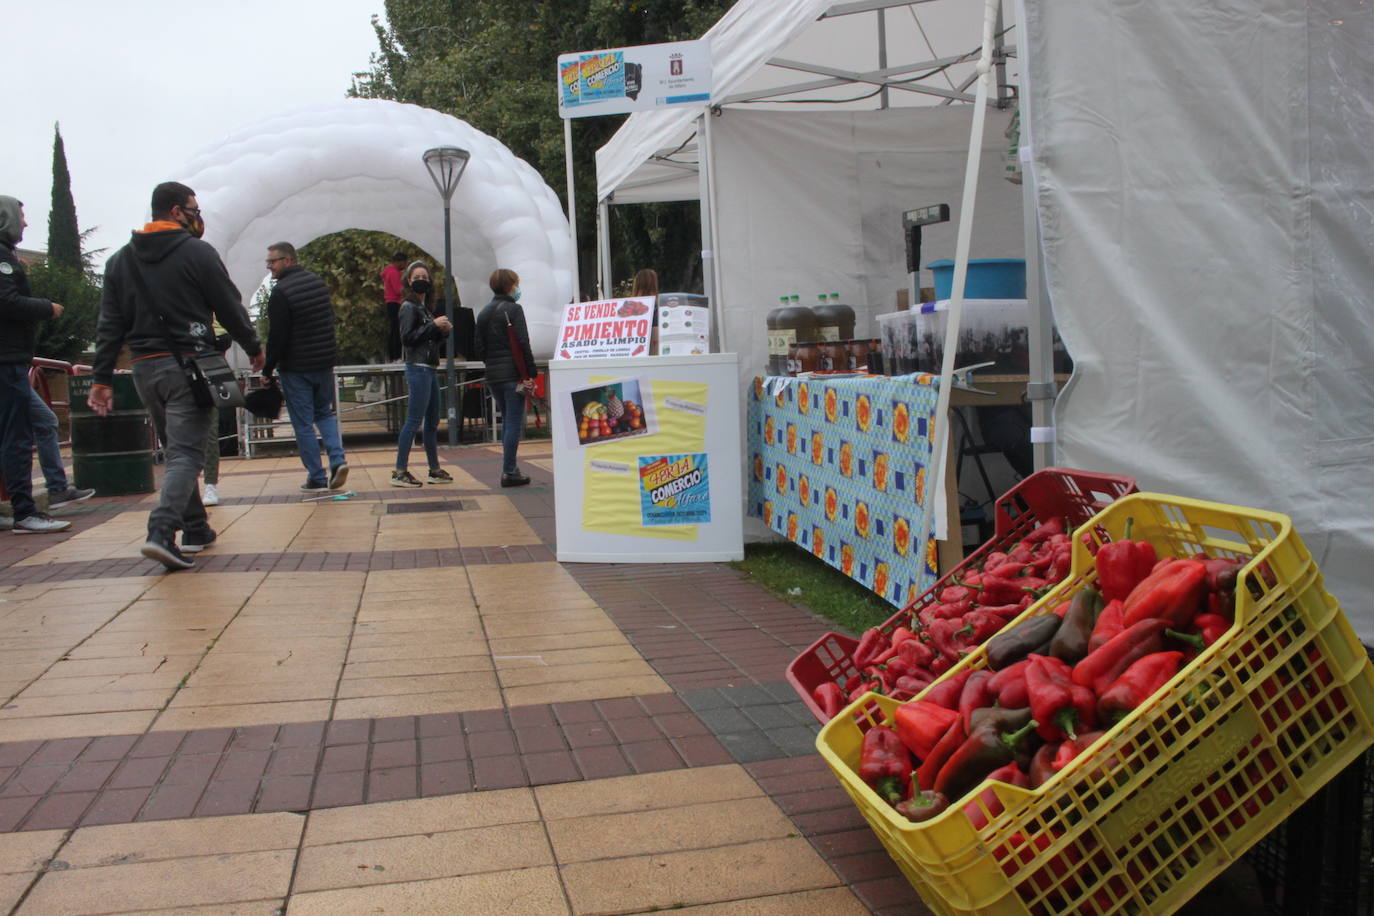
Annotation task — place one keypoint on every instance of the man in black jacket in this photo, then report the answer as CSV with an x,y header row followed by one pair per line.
x,y
163,293
300,342
20,313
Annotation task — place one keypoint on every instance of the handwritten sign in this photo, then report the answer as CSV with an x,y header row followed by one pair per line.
x,y
608,327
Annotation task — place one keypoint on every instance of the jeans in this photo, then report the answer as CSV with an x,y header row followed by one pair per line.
x,y
310,404
16,437
512,404
44,424
182,428
423,407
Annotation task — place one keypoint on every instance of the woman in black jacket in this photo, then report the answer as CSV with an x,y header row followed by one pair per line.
x,y
510,373
422,336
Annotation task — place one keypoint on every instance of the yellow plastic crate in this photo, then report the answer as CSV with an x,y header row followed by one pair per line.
x,y
1181,787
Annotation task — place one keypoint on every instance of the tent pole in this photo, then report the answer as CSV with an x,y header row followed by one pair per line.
x,y
603,248
882,59
1040,389
935,481
709,278
572,206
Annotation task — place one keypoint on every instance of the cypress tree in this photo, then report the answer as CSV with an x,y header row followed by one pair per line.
x,y
64,239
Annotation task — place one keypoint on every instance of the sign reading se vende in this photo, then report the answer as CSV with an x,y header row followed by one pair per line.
x,y
607,327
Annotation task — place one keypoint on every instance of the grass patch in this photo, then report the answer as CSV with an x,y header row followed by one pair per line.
x,y
781,568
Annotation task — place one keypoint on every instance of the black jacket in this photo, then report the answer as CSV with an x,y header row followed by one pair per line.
x,y
421,338
189,287
20,312
492,343
300,316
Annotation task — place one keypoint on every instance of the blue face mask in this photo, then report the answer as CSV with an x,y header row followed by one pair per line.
x,y
515,294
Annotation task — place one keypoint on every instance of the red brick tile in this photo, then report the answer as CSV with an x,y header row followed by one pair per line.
x,y
207,741
532,717
392,784
579,712
157,744
628,731
652,756
301,734
438,724
334,789
387,754
113,747
59,811
33,780
681,725
254,738
862,867
589,734
491,744
443,748
551,767
172,802
344,758
286,793
723,678
848,842
702,751
485,720
87,776
602,762
394,728
12,811
138,774
294,761
498,773
827,799
244,764
63,751
662,704
786,765
227,796
116,806
191,769
447,777
620,708
796,782
348,731
885,892
538,740
829,821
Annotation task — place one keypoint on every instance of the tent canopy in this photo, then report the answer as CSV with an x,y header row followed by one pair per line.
x,y
356,164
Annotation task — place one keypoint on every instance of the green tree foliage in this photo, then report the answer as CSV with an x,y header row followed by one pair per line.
x,y
492,63
64,238
78,289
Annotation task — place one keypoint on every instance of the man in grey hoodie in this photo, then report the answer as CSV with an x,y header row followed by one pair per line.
x,y
163,292
20,313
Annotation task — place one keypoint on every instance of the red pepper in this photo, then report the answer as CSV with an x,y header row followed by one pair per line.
x,y
829,698
1124,564
1059,705
1008,569
1042,764
1068,750
975,695
1102,667
922,805
879,674
865,687
1022,552
885,763
1046,531
954,593
899,636
1211,627
872,643
1010,685
945,640
1137,684
946,693
915,653
1034,584
908,685
1169,593
1222,572
949,742
1001,590
987,748
1109,623
996,558
1012,774
920,725
982,625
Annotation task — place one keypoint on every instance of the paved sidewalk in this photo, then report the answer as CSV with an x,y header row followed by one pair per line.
x,y
400,702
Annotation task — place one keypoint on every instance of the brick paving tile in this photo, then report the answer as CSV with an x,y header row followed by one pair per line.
x,y
13,810
769,768
62,751
393,784
602,762
301,734
886,892
572,713
227,796
538,740
662,704
114,747
207,741
868,866
681,725
702,751
294,761
551,767
491,744
652,756
532,717
443,748
195,769
445,778
631,730
287,793
138,774
397,728
59,811
116,806
86,776
832,798
589,734
388,754
33,780
485,720
254,738
244,765
505,772
169,802
344,758
335,789
620,708
348,731
829,821
805,780
440,724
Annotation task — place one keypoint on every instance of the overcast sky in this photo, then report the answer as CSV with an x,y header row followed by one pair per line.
x,y
139,86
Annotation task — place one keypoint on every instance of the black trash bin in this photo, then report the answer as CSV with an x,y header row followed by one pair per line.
x,y
112,454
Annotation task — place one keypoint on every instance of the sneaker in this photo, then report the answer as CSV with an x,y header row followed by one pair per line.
x,y
211,496
404,479
338,476
310,485
38,523
514,480
162,546
196,541
59,498
439,475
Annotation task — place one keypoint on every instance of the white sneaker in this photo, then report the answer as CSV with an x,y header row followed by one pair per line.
x,y
211,496
39,523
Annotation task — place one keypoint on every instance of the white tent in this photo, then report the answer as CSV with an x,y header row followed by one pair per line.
x,y
1201,188
356,164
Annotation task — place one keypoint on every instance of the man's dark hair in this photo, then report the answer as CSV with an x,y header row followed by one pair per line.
x,y
398,258
285,249
167,195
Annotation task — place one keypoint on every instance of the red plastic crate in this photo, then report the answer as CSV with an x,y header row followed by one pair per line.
x,y
1049,493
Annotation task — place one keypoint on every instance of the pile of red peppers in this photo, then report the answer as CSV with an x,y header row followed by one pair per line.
x,y
958,618
1054,683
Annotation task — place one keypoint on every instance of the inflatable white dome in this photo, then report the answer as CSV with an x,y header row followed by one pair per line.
x,y
356,164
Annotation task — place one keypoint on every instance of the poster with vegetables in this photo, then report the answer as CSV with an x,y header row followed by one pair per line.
x,y
674,489
615,409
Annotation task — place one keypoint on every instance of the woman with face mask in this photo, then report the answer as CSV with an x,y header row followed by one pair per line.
x,y
422,339
502,342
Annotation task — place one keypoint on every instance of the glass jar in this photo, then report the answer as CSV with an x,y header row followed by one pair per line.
x,y
857,353
834,356
808,356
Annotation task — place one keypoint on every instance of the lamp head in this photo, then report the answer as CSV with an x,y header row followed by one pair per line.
x,y
446,165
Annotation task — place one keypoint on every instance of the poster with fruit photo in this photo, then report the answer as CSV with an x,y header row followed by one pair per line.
x,y
609,411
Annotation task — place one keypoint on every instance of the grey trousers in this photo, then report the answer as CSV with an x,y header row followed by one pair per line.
x,y
182,427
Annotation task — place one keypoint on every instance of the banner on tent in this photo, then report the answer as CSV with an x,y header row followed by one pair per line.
x,y
621,80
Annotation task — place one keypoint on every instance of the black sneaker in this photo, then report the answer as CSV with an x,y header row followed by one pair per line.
x,y
514,480
196,541
338,476
59,498
311,485
162,546
404,479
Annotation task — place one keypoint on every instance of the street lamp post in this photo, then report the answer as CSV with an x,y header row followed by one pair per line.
x,y
445,165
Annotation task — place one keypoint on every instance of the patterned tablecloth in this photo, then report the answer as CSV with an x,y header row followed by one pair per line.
x,y
839,467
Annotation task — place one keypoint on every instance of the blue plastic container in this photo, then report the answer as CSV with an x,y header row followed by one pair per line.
x,y
988,278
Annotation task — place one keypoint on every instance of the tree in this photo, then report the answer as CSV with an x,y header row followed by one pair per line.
x,y
64,238
492,63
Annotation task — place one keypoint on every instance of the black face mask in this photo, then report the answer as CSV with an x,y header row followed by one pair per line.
x,y
420,286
